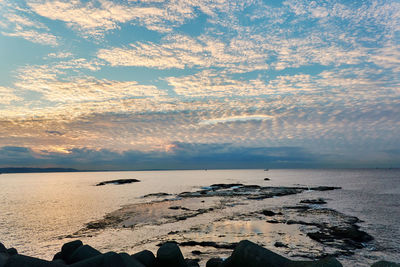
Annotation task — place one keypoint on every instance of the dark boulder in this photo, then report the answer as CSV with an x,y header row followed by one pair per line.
x,y
3,249
146,257
69,248
12,251
214,262
192,263
82,253
130,261
252,255
169,255
25,261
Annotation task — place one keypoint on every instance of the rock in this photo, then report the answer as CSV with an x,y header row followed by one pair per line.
x,y
146,257
325,188
214,262
25,261
196,252
252,255
208,244
131,261
270,213
169,255
12,251
69,248
59,261
3,249
280,245
267,179
3,259
119,182
385,264
82,253
191,263
57,256
314,201
109,259
161,194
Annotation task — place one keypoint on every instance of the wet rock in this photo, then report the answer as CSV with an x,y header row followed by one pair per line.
x,y
267,179
118,182
209,244
270,213
146,257
280,245
314,201
214,262
169,255
25,261
350,234
385,264
161,194
82,253
69,248
324,188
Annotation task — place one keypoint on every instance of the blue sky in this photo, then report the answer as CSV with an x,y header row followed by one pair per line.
x,y
199,84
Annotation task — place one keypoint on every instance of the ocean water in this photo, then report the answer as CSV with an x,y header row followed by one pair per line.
x,y
38,210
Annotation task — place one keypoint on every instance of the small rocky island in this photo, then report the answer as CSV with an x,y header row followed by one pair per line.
x,y
119,182
245,254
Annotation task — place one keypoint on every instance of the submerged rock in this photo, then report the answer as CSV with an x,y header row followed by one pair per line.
x,y
314,201
118,182
385,264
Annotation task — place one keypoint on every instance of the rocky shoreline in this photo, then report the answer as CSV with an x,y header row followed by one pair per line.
x,y
245,254
210,225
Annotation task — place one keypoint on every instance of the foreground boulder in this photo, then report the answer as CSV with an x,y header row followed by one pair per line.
x,y
25,261
246,254
252,255
170,255
146,257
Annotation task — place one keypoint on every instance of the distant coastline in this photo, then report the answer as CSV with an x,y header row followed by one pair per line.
x,y
10,170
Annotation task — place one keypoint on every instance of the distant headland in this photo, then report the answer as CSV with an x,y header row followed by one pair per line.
x,y
33,170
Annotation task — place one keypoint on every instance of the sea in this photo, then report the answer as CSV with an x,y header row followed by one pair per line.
x,y
38,210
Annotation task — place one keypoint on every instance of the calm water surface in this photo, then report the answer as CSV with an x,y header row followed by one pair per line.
x,y
36,209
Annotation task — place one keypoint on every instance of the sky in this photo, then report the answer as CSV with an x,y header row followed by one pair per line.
x,y
182,84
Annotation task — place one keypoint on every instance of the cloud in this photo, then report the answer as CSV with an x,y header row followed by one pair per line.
x,y
18,23
236,119
34,36
95,18
7,96
46,80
